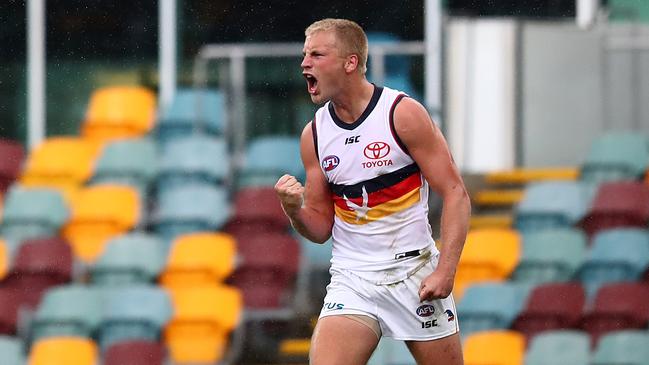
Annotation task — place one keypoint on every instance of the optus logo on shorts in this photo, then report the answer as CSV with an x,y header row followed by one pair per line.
x,y
333,306
330,162
425,310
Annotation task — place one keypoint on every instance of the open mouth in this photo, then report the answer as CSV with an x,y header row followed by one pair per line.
x,y
312,83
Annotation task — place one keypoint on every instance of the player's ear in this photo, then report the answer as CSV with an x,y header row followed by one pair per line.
x,y
351,64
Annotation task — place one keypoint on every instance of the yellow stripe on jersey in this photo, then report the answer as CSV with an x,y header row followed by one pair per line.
x,y
364,215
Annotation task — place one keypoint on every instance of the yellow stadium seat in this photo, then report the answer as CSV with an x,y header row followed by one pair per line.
x,y
500,197
63,351
202,322
61,162
498,347
489,254
119,112
524,176
503,220
4,258
646,177
199,259
99,213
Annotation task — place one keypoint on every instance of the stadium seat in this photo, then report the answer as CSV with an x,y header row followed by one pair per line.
x,y
10,300
197,158
551,306
203,320
268,269
131,162
489,254
89,228
500,347
11,349
32,213
40,264
198,259
487,306
622,348
135,313
391,352
64,350
616,156
12,155
257,209
559,347
314,275
60,162
119,112
550,255
617,306
523,176
618,204
137,352
190,208
133,258
5,259
72,310
620,254
552,204
192,111
270,157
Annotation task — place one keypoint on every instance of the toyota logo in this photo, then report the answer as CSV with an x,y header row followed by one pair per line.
x,y
376,150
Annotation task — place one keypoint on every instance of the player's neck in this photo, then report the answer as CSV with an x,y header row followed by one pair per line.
x,y
353,100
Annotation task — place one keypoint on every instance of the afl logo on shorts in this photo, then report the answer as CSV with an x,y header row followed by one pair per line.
x,y
425,310
376,150
330,162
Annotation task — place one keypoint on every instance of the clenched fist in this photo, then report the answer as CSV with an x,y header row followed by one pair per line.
x,y
290,193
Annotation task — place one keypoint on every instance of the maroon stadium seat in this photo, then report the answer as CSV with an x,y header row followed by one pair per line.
x,y
12,155
256,210
618,204
40,264
268,269
551,306
134,353
617,306
10,299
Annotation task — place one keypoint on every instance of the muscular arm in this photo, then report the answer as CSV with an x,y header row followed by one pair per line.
x,y
309,207
428,148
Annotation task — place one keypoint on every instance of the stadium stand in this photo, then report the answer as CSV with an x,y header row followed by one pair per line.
x,y
136,352
486,348
10,300
270,157
391,352
559,347
64,350
622,347
11,349
616,156
257,209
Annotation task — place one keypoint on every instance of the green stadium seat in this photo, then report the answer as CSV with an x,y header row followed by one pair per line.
x,y
11,349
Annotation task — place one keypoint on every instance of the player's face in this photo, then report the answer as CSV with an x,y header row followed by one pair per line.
x,y
322,66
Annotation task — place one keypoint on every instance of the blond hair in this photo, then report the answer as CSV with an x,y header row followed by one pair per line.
x,y
351,36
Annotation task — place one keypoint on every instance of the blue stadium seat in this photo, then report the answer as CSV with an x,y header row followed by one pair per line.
x,y
190,208
559,347
32,213
391,352
134,258
620,254
628,347
136,312
552,204
616,156
191,111
270,157
550,255
197,158
490,305
11,349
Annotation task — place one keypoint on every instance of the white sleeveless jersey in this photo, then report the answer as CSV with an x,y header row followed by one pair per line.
x,y
380,197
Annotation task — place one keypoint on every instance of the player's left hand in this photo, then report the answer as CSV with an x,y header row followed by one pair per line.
x,y
437,285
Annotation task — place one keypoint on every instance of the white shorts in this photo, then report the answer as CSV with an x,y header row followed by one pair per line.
x,y
395,307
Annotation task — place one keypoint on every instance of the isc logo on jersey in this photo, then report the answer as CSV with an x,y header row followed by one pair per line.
x,y
377,153
330,162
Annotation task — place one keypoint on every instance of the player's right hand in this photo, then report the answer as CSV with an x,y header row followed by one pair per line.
x,y
290,193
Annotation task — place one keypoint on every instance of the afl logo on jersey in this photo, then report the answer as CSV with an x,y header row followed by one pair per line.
x,y
376,150
330,162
